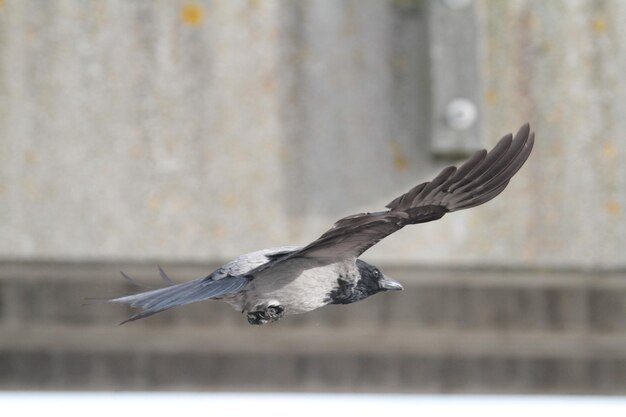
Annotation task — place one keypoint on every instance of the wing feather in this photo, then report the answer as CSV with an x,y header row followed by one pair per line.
x,y
482,177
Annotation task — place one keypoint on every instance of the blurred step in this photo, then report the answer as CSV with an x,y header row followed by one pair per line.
x,y
308,362
449,331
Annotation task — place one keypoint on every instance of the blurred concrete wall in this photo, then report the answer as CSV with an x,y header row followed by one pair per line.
x,y
201,130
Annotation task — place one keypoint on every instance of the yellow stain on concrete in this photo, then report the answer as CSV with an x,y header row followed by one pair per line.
x,y
609,150
192,14
153,202
491,96
30,157
269,84
31,189
487,247
218,230
137,152
2,3
283,152
254,3
614,208
399,160
599,25
230,200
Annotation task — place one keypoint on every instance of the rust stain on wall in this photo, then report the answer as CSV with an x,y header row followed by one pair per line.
x,y
230,200
614,208
269,84
400,161
599,25
609,150
153,202
192,14
491,96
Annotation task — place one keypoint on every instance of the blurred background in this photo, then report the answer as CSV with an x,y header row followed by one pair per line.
x,y
184,133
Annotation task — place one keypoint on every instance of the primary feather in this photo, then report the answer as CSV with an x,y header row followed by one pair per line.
x,y
480,179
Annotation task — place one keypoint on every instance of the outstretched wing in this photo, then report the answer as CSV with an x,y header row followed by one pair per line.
x,y
482,177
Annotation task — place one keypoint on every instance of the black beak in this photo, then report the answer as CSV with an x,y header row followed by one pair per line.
x,y
389,284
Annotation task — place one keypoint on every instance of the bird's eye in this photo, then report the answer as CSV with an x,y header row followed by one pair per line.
x,y
376,273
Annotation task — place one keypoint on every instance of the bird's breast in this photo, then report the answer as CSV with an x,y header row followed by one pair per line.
x,y
299,285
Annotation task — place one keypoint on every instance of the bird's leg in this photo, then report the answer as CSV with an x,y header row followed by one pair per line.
x,y
266,315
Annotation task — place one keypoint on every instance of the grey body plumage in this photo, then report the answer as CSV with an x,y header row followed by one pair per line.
x,y
271,283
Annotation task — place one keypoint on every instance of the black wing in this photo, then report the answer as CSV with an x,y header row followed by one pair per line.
x,y
482,177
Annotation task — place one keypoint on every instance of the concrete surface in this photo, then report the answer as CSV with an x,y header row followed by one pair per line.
x,y
199,130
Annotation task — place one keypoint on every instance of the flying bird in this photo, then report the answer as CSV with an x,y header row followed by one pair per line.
x,y
271,283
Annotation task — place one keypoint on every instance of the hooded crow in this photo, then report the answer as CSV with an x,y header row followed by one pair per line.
x,y
271,283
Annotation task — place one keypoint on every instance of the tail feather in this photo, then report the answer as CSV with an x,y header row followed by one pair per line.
x,y
134,281
165,277
154,301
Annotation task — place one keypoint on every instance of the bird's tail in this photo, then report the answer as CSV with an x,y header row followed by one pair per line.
x,y
154,301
